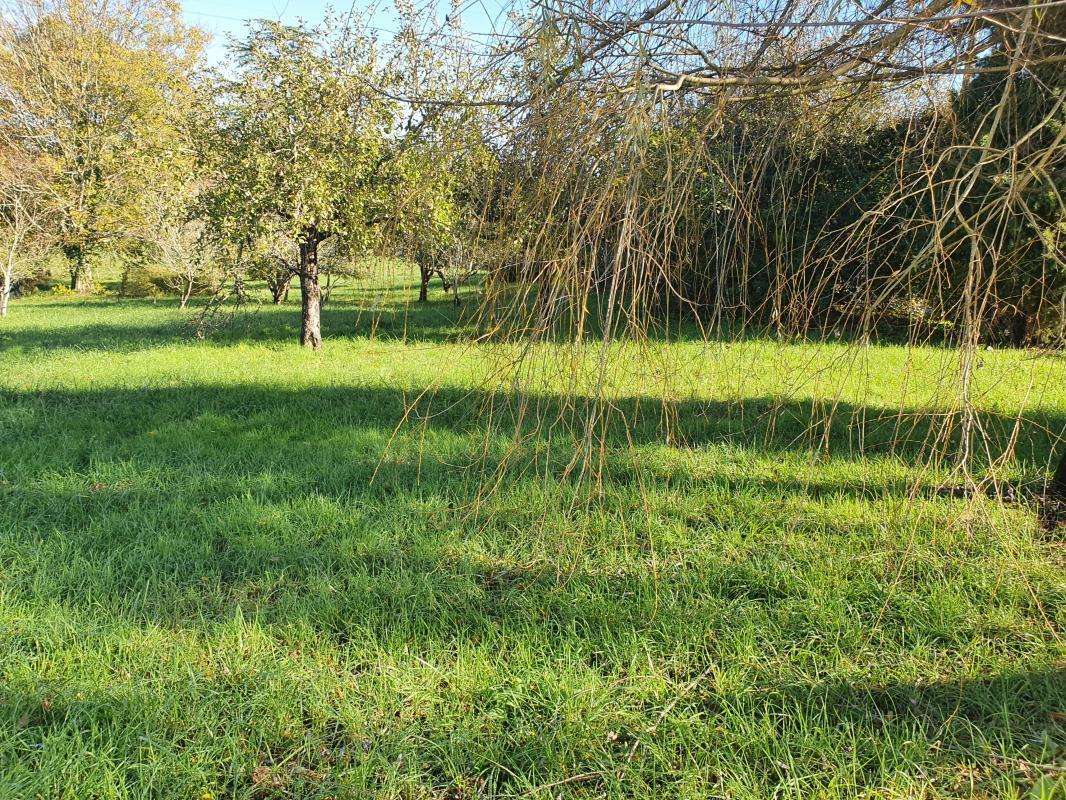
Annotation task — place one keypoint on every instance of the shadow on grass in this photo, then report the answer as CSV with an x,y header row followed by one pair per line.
x,y
260,419
183,507
383,313
263,323
220,468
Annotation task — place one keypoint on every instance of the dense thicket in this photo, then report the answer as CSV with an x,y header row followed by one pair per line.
x,y
928,207
839,225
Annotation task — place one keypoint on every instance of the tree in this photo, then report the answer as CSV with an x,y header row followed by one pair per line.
x,y
302,147
93,91
1010,128
177,250
184,257
274,260
444,158
18,218
439,210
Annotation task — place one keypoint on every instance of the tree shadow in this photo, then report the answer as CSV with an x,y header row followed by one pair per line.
x,y
769,424
439,321
221,469
383,312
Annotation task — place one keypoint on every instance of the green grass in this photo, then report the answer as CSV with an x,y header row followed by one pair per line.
x,y
227,570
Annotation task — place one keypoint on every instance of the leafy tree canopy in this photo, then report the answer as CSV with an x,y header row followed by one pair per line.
x,y
96,92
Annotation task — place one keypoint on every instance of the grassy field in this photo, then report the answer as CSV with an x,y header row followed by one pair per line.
x,y
233,569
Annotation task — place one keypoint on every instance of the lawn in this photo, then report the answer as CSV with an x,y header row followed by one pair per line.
x,y
233,569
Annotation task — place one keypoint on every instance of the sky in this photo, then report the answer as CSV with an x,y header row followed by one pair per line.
x,y
224,18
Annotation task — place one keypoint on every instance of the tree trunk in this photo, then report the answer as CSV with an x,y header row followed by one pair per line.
x,y
310,294
423,289
1019,328
5,295
281,291
186,292
81,276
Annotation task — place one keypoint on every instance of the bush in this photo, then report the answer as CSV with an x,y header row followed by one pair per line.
x,y
147,281
37,280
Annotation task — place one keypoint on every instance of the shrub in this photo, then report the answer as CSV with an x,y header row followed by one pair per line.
x,y
145,280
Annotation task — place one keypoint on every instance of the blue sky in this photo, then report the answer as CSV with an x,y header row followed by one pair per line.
x,y
224,18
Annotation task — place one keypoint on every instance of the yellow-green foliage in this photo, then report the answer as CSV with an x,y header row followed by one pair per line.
x,y
98,93
147,281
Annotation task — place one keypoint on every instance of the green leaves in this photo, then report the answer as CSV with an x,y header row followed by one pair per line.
x,y
100,94
301,134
